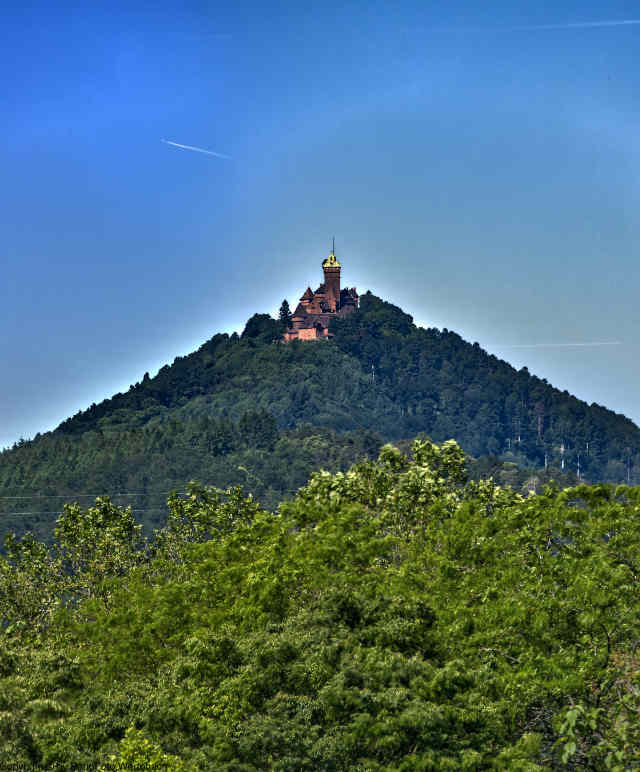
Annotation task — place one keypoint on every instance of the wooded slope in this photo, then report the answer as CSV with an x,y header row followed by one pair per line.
x,y
249,410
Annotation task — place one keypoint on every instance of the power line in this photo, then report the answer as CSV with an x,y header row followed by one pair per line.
x,y
85,495
57,512
97,495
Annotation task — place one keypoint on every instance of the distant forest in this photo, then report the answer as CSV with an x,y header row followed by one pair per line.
x,y
249,410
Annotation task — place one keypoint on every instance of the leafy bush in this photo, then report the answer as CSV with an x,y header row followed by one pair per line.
x,y
391,617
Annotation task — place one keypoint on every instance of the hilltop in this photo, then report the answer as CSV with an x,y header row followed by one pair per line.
x,y
252,410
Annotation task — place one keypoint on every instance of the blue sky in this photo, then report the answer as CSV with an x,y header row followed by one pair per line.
x,y
479,166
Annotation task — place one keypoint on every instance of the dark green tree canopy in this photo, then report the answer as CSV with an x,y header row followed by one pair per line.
x,y
263,328
284,314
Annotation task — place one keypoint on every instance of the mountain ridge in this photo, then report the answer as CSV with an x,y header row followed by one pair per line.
x,y
254,411
262,327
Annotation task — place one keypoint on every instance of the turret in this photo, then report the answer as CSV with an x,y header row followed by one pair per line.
x,y
331,268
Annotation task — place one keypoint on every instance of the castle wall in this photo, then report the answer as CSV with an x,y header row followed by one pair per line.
x,y
308,334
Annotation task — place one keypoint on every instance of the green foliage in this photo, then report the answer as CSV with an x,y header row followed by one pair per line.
x,y
284,315
150,462
239,410
138,754
92,547
390,617
447,387
262,328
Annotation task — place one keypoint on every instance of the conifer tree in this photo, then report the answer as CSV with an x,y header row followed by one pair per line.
x,y
285,314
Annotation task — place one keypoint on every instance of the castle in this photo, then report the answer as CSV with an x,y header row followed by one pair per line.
x,y
315,310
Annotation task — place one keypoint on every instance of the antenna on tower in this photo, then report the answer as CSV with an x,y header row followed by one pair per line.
x,y
333,245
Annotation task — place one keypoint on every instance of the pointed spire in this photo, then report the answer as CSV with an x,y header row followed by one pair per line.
x,y
332,261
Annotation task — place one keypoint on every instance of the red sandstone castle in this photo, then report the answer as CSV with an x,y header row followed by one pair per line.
x,y
316,309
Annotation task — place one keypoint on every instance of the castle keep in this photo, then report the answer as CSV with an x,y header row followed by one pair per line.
x,y
316,309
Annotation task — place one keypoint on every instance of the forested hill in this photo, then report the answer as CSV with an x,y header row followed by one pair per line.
x,y
386,374
249,410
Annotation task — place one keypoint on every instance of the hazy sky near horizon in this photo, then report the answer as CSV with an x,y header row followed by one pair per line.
x,y
479,166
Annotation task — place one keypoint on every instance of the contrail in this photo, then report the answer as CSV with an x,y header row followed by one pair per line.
x,y
580,25
196,149
558,345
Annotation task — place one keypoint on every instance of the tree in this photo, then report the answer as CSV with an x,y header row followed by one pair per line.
x,y
138,754
285,314
387,617
262,328
91,548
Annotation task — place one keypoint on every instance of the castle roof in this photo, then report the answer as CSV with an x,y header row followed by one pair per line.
x,y
307,295
331,261
300,311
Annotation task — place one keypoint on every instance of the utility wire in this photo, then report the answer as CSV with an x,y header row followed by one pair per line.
x,y
85,495
182,484
57,512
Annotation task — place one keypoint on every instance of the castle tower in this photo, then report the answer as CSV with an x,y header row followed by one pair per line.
x,y
331,268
